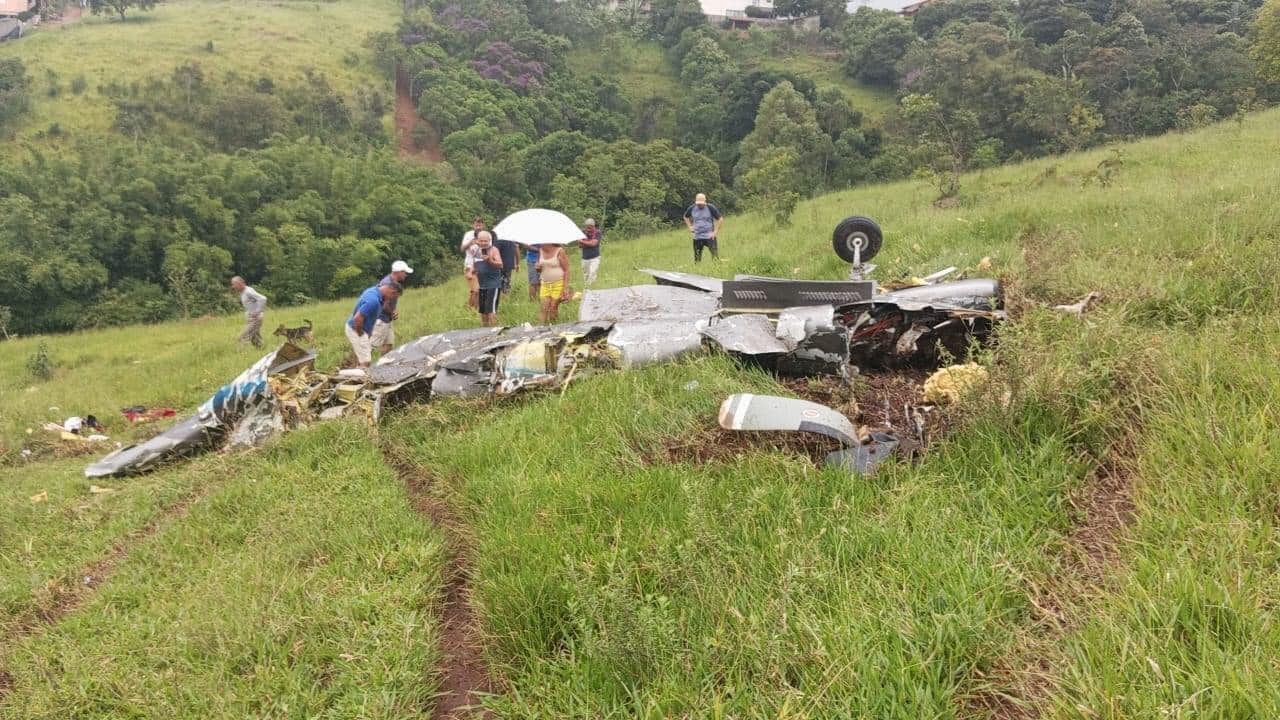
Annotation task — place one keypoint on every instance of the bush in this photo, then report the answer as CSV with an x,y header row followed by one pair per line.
x,y
39,364
79,84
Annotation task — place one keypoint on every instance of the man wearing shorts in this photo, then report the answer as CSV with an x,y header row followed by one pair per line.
x,y
384,335
359,327
703,220
488,272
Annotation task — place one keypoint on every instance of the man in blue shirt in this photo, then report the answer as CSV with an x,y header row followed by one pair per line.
x,y
384,334
359,327
704,220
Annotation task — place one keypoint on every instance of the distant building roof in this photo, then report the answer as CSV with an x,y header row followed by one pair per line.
x,y
726,8
15,7
897,6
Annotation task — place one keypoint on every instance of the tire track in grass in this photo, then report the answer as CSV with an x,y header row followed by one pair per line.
x,y
67,598
1020,685
464,678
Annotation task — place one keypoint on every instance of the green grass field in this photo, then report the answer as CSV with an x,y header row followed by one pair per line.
x,y
1095,537
250,37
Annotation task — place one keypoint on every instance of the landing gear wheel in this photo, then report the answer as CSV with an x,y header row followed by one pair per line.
x,y
854,234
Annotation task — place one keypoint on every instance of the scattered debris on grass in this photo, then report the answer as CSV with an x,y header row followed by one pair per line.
x,y
831,328
1080,308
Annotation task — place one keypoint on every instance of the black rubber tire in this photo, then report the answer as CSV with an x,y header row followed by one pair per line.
x,y
856,229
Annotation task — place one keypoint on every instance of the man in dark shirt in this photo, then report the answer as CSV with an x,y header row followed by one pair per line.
x,y
703,220
510,253
590,243
488,269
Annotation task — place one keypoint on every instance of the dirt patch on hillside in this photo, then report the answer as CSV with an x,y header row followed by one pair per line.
x,y
1019,686
464,678
417,139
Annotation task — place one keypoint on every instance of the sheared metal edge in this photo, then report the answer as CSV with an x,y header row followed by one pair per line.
x,y
745,335
686,280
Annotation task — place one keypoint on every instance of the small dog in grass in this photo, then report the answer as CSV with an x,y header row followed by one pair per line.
x,y
295,335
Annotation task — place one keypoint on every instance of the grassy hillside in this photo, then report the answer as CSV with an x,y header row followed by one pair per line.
x,y
280,39
1095,538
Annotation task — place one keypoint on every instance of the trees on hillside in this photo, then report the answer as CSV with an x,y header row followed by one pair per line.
x,y
109,233
120,7
1265,44
874,42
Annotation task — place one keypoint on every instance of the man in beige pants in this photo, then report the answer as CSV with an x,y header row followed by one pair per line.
x,y
254,304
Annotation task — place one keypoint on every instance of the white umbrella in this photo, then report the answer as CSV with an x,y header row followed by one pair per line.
x,y
538,226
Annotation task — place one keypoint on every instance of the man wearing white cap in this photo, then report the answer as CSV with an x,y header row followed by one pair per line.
x,y
704,220
383,336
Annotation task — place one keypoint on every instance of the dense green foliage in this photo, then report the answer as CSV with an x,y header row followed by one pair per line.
x,y
13,91
1045,76
110,234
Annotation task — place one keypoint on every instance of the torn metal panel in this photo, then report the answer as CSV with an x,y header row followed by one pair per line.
x,y
256,426
864,458
745,335
822,352
820,344
188,435
643,342
646,302
686,280
773,296
470,378
797,323
973,294
768,412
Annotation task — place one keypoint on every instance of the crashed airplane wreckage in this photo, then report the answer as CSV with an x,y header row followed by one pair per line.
x,y
791,327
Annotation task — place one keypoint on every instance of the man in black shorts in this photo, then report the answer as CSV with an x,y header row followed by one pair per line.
x,y
488,269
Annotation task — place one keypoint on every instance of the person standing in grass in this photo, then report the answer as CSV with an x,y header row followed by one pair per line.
x,y
704,220
469,261
510,253
488,270
590,242
531,263
384,335
254,304
553,267
359,327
